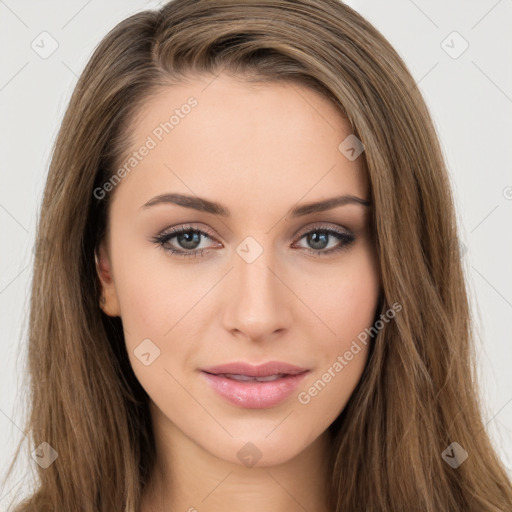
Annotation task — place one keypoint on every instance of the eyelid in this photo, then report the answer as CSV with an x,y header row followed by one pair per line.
x,y
323,226
187,227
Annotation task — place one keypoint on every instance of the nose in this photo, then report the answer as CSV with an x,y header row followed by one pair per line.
x,y
258,303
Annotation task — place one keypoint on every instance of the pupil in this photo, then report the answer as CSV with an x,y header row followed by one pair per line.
x,y
187,240
313,239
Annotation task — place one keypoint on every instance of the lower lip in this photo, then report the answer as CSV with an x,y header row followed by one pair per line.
x,y
254,394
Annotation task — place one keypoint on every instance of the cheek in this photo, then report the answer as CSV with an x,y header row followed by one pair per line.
x,y
160,314
154,292
347,307
345,299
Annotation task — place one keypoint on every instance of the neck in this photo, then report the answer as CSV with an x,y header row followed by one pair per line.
x,y
188,478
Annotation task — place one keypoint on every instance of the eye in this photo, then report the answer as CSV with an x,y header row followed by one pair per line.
x,y
320,236
188,241
187,237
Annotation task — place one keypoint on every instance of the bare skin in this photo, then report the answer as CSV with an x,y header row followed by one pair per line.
x,y
259,150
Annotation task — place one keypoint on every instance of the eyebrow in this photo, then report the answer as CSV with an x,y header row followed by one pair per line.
x,y
204,205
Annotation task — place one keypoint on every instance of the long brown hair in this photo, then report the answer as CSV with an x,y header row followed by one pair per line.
x,y
418,393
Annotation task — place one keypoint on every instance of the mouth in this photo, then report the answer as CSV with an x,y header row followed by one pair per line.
x,y
247,378
255,387
243,369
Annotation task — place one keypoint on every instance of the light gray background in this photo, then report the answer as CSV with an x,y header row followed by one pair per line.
x,y
470,98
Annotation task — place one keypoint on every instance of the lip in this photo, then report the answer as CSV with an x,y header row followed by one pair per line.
x,y
262,370
253,394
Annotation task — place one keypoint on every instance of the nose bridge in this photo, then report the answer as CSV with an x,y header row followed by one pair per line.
x,y
256,304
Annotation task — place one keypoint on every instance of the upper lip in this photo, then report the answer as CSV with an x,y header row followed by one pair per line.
x,y
262,370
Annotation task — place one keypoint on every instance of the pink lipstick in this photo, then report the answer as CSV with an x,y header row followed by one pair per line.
x,y
255,387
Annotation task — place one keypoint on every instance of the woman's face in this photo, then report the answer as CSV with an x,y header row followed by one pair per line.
x,y
250,282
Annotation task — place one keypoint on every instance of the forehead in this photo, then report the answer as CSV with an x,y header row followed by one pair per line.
x,y
224,137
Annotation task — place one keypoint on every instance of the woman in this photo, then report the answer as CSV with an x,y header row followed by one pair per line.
x,y
254,299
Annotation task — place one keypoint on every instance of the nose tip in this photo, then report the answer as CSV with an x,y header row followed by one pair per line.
x,y
257,306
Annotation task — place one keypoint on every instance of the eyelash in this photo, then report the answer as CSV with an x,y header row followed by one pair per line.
x,y
162,239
